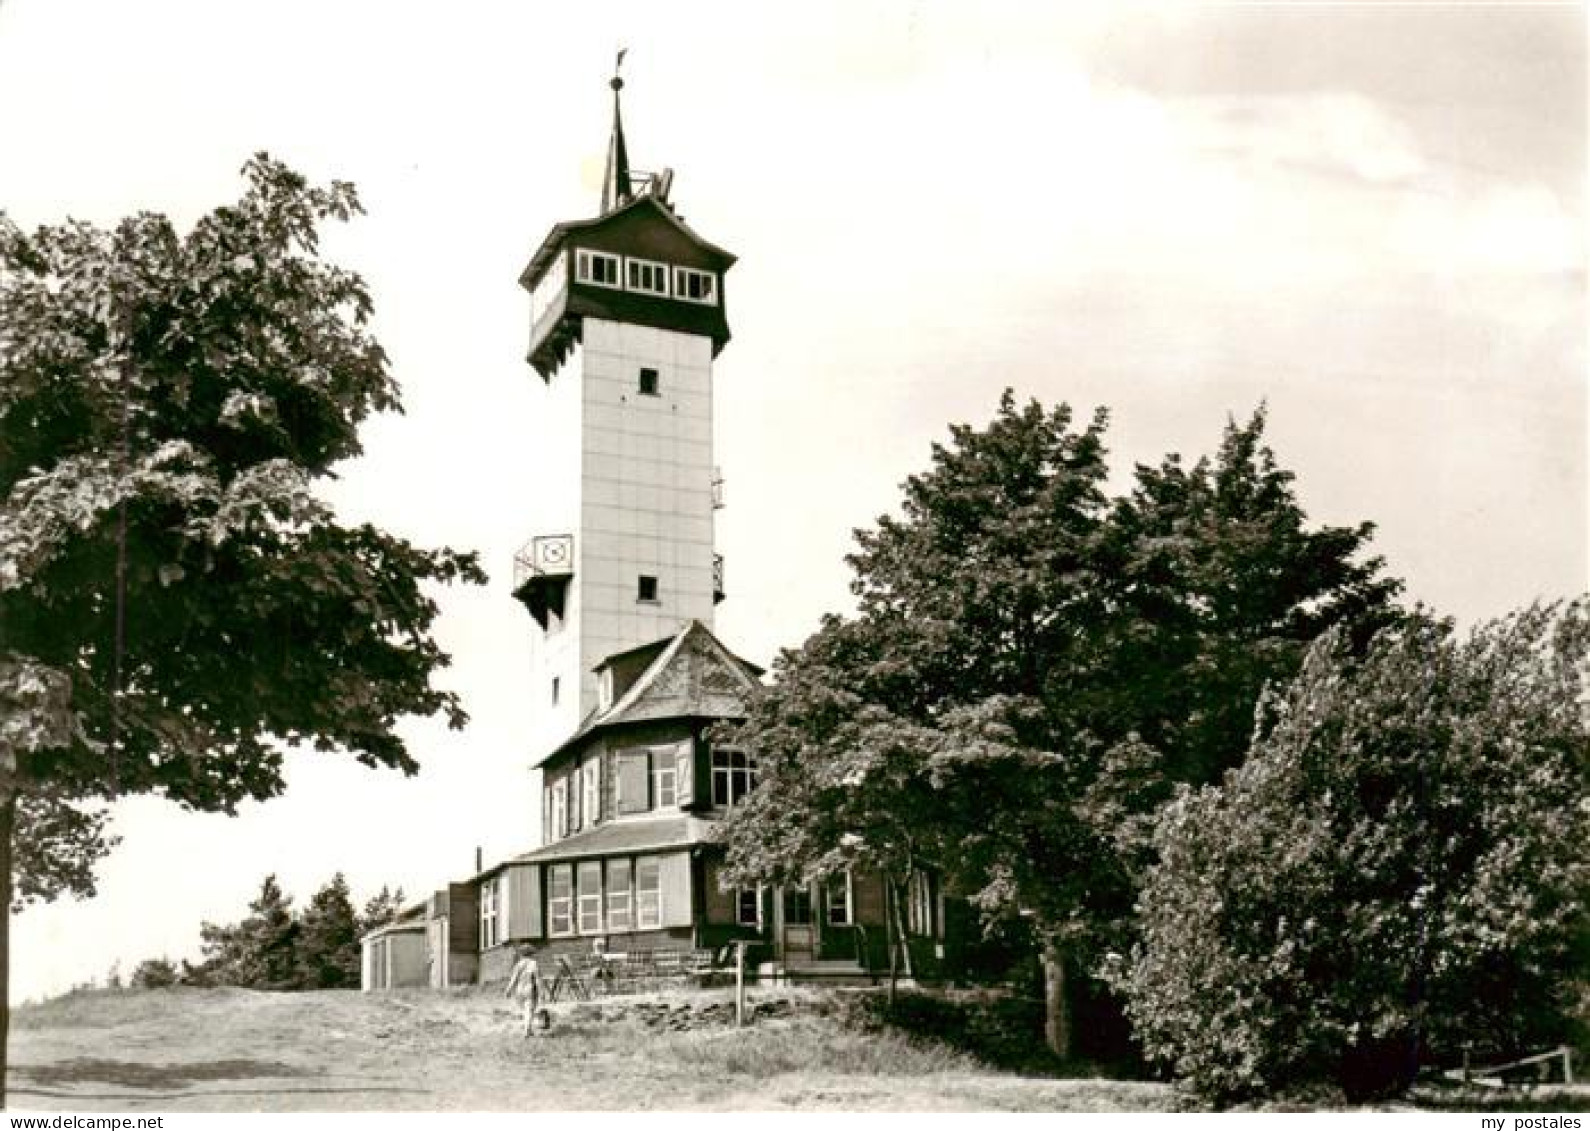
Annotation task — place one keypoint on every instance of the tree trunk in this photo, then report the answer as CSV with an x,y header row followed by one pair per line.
x,y
888,926
8,820
899,929
1056,1008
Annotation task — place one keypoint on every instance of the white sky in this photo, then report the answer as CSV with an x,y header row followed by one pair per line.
x,y
1371,216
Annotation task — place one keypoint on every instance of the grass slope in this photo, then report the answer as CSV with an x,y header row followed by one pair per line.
x,y
239,1050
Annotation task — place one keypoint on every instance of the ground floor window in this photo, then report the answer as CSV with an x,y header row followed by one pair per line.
x,y
648,892
797,906
837,901
560,899
590,883
488,914
748,907
618,912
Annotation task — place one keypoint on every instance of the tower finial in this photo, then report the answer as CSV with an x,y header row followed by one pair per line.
x,y
615,183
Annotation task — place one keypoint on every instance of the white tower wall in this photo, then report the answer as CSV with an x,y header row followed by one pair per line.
x,y
646,489
630,476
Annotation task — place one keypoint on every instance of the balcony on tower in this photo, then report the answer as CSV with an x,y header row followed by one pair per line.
x,y
542,570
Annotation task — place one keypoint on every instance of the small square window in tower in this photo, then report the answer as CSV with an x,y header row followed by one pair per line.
x,y
646,590
648,383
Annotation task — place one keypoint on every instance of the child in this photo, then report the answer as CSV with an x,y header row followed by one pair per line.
x,y
524,985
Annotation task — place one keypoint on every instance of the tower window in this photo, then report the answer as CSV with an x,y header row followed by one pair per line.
x,y
596,267
643,275
648,382
555,681
647,588
697,286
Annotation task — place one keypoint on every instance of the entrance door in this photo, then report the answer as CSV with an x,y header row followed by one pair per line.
x,y
799,931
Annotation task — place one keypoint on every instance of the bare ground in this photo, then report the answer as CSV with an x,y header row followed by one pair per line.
x,y
240,1050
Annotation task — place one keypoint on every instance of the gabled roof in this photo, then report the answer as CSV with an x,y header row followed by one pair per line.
x,y
560,232
694,676
617,838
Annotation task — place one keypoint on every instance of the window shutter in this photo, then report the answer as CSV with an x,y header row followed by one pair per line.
x,y
524,902
685,773
634,782
676,907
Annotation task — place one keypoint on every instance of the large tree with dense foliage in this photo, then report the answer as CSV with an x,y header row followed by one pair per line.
x,y
177,604
1034,665
1400,869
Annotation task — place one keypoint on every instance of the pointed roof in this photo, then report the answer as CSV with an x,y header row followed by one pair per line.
x,y
645,203
615,180
694,676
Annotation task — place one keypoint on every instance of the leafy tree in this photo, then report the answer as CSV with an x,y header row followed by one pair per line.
x,y
1400,867
995,710
177,603
381,909
60,841
328,939
1226,585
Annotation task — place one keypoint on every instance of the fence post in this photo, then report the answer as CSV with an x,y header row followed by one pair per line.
x,y
739,983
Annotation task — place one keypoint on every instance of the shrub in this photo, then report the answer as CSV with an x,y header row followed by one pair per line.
x,y
1398,869
153,974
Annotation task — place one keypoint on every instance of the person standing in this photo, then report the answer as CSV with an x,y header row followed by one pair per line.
x,y
524,986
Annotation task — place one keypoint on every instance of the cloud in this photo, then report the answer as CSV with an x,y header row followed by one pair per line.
x,y
1328,133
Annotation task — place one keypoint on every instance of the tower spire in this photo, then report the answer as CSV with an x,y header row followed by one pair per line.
x,y
615,182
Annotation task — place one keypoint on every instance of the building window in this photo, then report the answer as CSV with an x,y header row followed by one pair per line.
x,y
618,918
560,899
646,589
604,689
644,275
560,809
664,782
591,787
748,907
838,901
488,914
697,286
648,382
596,267
590,879
798,905
733,776
919,904
555,682
648,892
